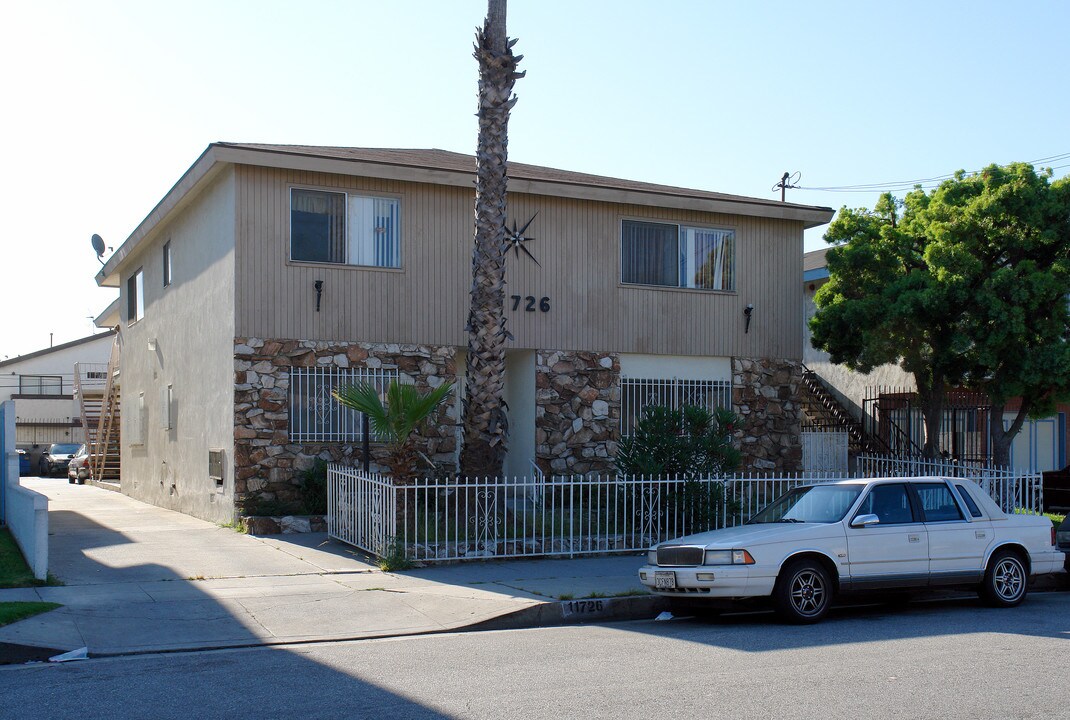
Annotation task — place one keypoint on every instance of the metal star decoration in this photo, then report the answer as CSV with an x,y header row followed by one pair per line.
x,y
516,239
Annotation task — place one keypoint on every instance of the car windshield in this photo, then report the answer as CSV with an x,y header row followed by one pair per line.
x,y
810,504
63,449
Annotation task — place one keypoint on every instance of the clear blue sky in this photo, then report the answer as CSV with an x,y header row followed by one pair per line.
x,y
107,103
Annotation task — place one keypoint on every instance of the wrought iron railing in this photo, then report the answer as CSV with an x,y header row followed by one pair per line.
x,y
459,519
434,520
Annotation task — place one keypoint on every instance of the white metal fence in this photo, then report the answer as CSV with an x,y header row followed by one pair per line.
x,y
519,517
456,519
315,416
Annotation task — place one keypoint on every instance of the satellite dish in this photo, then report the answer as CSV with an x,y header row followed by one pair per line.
x,y
98,247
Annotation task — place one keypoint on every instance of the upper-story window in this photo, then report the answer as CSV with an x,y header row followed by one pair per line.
x,y
167,263
135,296
678,256
333,227
40,385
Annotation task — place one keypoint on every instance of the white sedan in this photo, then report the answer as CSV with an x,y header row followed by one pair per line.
x,y
818,540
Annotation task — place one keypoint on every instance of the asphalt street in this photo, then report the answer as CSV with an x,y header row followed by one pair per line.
x,y
947,659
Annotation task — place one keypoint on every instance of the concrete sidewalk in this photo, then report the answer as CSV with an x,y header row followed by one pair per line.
x,y
140,579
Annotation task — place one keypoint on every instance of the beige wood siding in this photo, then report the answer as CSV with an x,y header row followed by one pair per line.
x,y
577,243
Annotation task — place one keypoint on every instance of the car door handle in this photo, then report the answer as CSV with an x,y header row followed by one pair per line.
x,y
913,538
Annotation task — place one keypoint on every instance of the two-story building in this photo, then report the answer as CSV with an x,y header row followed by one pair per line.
x,y
43,386
269,274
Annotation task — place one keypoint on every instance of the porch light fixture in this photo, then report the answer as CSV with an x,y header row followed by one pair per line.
x,y
319,293
152,344
748,312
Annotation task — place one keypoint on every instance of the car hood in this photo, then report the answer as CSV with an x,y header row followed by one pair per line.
x,y
758,534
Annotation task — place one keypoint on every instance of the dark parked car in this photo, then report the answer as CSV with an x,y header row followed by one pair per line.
x,y
78,470
57,458
1062,539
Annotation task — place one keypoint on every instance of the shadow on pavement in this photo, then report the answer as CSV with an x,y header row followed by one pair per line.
x,y
149,603
867,620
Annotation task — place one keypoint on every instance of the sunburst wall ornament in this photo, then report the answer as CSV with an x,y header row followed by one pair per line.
x,y
517,239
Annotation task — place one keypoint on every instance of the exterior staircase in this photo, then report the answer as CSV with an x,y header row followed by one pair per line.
x,y
822,409
97,390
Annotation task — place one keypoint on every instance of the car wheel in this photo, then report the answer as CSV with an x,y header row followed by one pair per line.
x,y
1006,580
803,592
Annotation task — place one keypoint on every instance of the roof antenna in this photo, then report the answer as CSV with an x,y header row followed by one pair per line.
x,y
788,181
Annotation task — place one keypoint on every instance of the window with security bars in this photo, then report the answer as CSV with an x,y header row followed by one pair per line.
x,y
315,416
638,393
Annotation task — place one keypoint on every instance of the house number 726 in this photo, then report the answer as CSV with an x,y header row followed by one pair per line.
x,y
529,303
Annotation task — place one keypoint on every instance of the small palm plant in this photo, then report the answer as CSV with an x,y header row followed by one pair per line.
x,y
395,421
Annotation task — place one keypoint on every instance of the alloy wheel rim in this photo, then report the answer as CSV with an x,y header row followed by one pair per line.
x,y
1009,579
808,592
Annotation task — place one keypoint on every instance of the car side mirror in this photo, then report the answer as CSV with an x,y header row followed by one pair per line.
x,y
862,521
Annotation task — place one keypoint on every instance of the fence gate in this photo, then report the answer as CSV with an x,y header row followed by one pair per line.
x,y
825,451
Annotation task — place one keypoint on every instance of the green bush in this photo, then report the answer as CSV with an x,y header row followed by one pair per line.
x,y
314,488
312,501
690,441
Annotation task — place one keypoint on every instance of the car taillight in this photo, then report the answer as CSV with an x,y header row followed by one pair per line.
x,y
1053,536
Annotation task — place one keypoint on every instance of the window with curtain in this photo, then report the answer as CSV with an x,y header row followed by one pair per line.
x,y
334,227
677,256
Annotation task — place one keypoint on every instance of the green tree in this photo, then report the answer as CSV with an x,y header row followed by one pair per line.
x,y
884,303
485,425
1006,231
396,421
949,286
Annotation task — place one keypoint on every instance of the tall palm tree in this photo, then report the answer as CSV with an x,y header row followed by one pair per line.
x,y
485,426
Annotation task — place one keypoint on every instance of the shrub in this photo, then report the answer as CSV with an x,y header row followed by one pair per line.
x,y
689,441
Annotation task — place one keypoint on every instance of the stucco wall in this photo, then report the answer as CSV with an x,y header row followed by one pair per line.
x,y
192,324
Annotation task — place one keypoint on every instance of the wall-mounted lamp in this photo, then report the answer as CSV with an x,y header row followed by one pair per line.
x,y
152,344
319,293
748,312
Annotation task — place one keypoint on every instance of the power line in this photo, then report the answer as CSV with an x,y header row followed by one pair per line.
x,y
926,183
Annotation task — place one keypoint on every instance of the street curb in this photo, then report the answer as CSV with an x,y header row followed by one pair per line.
x,y
575,612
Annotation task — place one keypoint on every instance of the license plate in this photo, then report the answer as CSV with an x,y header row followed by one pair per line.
x,y
664,580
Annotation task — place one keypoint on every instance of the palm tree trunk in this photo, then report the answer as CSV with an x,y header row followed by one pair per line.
x,y
485,427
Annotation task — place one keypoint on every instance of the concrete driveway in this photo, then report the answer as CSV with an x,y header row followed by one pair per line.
x,y
101,537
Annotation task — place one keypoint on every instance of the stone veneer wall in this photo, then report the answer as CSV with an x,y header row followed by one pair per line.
x,y
577,415
765,393
266,463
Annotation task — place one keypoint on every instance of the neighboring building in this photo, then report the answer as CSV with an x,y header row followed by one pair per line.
x,y
270,273
43,385
885,404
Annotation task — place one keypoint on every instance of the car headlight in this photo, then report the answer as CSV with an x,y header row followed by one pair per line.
x,y
728,557
652,556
